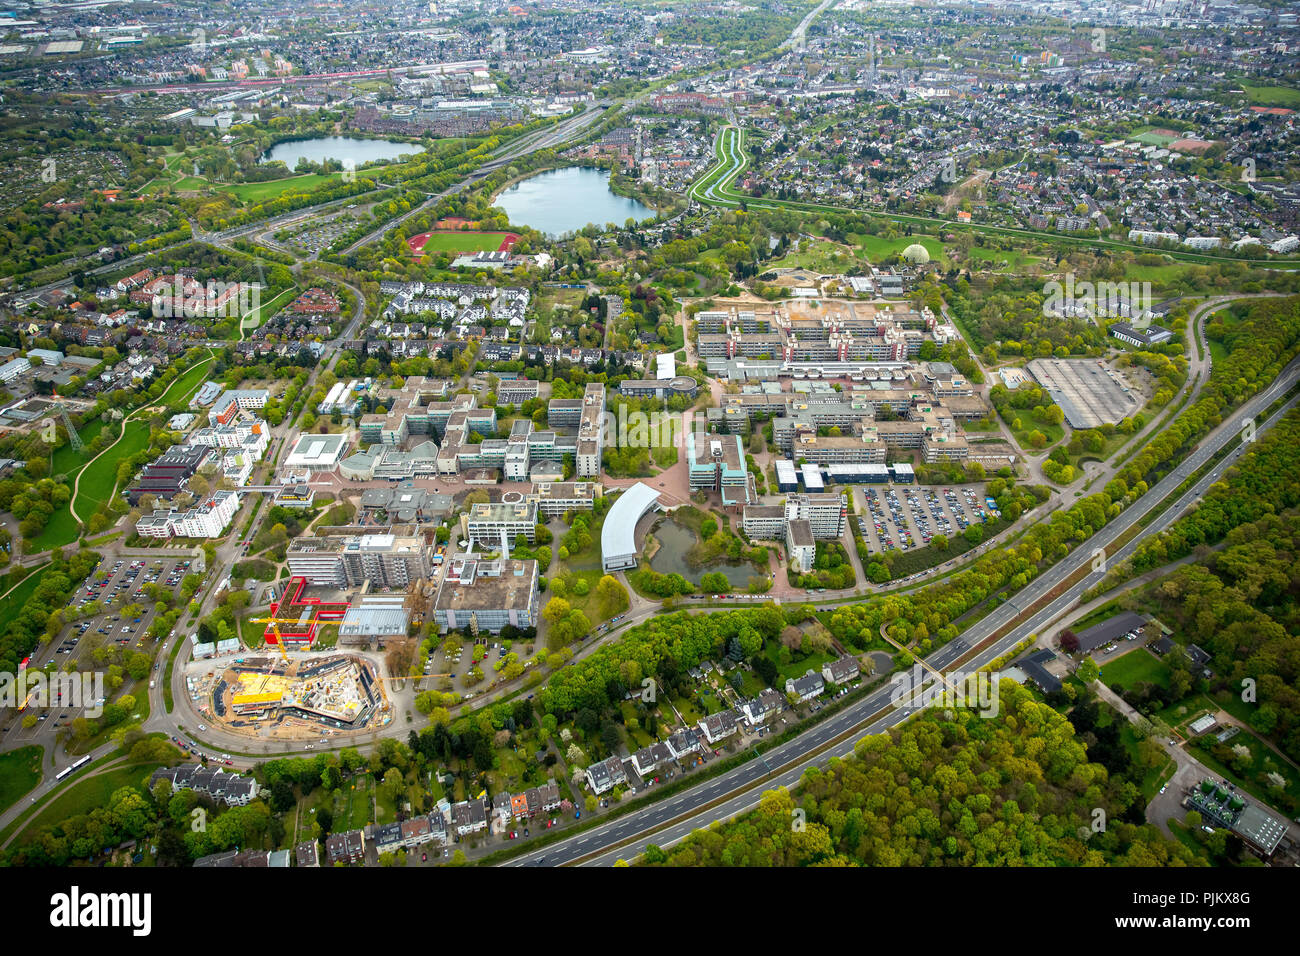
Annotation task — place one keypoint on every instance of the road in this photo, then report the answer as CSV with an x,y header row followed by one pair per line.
x,y
740,789
801,31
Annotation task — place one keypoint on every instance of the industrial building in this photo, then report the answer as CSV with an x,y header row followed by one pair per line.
x,y
348,560
168,474
374,619
659,388
1261,830
477,594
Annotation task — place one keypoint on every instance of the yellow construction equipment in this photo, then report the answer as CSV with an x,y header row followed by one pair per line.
x,y
275,623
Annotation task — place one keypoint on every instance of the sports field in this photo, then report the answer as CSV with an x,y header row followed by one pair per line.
x,y
457,241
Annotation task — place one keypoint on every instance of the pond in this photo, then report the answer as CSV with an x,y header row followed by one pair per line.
x,y
565,200
341,148
675,541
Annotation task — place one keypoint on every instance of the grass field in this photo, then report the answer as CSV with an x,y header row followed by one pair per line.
x,y
99,478
15,599
878,247
1133,668
1273,96
818,255
993,258
61,529
1152,138
1030,422
67,461
464,241
260,192
20,771
86,795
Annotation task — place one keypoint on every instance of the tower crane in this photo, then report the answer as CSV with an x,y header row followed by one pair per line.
x,y
275,623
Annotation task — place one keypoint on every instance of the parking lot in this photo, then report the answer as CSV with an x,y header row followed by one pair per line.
x,y
116,586
1089,391
908,516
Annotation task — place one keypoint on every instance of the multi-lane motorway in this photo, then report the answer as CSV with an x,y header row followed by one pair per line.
x,y
740,788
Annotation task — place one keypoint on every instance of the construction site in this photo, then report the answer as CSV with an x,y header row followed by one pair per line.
x,y
296,697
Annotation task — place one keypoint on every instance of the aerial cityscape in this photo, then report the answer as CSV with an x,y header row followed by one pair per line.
x,y
650,434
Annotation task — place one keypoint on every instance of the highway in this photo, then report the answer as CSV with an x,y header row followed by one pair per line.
x,y
740,788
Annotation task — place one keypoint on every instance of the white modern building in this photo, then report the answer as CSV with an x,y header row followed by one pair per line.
x,y
208,519
618,548
313,453
13,368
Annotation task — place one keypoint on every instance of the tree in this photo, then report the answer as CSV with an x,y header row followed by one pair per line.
x,y
1087,670
611,596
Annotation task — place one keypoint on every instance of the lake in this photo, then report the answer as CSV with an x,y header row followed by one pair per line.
x,y
675,541
565,200
341,148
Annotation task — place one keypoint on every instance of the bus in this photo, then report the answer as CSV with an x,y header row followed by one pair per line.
x,y
72,767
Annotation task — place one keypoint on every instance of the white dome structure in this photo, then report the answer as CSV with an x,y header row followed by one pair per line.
x,y
916,254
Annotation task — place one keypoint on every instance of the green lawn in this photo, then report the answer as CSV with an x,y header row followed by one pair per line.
x,y
1030,422
819,255
66,461
464,241
260,192
61,529
100,477
690,713
185,383
10,604
20,771
798,665
357,807
993,258
1133,668
878,247
1287,96
1166,272
86,795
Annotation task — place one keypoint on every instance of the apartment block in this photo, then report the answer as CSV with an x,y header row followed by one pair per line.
x,y
591,432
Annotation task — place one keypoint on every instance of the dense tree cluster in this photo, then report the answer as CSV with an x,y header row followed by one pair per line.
x,y
1017,790
660,648
30,622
